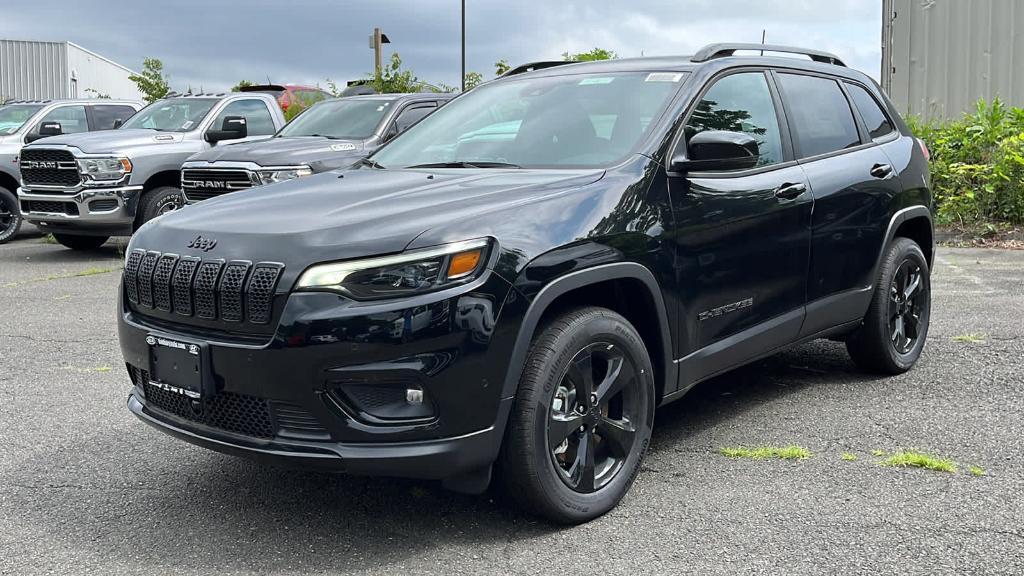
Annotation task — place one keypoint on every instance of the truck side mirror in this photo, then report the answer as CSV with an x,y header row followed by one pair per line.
x,y
232,128
118,123
46,129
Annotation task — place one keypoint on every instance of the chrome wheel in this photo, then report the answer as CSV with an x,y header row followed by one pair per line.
x,y
591,427
907,303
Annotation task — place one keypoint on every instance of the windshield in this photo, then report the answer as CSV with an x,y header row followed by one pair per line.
x,y
345,119
172,114
563,121
14,116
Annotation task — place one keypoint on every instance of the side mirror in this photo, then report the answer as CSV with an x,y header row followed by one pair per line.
x,y
232,128
118,123
716,150
46,129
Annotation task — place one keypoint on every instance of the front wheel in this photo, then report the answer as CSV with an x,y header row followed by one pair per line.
x,y
76,242
582,417
157,202
896,325
10,215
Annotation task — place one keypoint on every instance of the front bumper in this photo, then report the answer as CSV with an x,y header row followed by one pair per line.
x,y
101,209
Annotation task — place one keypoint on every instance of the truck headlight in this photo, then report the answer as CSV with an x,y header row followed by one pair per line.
x,y
414,272
273,176
105,168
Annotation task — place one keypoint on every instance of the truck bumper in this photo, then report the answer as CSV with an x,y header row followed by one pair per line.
x,y
107,211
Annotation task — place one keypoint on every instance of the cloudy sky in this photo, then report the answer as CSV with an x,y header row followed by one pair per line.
x,y
214,43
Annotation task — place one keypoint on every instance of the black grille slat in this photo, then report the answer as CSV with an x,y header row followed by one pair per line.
x,y
296,422
202,184
50,207
204,289
65,177
146,278
131,271
260,292
181,285
102,205
162,281
232,286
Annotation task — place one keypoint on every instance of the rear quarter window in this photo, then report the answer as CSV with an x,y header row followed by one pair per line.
x,y
871,112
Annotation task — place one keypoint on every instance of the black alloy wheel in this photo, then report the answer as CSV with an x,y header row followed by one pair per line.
x,y
906,296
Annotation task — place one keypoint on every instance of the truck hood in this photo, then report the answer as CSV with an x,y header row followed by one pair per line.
x,y
110,141
346,214
320,154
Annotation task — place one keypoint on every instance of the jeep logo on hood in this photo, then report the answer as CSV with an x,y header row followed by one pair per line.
x,y
204,244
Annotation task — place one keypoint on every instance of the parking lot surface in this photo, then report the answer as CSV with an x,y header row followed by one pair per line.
x,y
85,488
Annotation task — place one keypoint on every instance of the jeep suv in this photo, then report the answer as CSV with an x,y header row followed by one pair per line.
x,y
516,282
331,134
85,188
25,121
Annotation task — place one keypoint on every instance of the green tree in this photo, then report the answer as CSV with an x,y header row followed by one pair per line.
x,y
393,79
595,54
151,81
501,66
473,79
241,84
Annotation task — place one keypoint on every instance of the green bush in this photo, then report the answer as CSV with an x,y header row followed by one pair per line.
x,y
978,165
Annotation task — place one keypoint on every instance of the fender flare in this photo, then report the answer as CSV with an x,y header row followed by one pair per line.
x,y
901,216
580,279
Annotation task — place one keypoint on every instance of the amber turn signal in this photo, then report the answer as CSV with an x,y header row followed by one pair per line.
x,y
463,263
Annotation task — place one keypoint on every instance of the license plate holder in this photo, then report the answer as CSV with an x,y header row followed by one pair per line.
x,y
179,366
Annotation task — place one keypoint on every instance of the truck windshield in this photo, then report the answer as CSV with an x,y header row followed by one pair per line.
x,y
343,119
13,116
579,120
172,114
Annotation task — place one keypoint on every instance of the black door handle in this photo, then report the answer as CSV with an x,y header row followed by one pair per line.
x,y
881,170
790,191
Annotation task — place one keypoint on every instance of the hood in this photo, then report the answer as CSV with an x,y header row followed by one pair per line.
x,y
346,214
320,154
104,141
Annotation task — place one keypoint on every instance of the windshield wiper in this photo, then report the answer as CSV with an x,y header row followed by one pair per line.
x,y
370,163
324,136
464,164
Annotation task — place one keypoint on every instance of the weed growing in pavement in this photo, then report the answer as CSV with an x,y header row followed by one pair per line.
x,y
914,459
848,457
974,338
976,471
766,452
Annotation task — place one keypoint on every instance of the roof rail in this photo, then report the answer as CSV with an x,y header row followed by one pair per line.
x,y
531,66
712,51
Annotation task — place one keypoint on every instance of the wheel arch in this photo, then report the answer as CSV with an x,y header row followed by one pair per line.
x,y
603,285
170,178
9,182
914,222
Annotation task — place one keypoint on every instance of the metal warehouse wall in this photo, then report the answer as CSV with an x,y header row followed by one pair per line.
x,y
33,69
95,72
943,55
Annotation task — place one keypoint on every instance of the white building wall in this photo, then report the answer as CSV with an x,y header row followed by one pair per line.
x,y
89,72
43,70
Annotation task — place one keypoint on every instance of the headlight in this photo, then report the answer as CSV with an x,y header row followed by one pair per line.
x,y
105,168
405,274
272,176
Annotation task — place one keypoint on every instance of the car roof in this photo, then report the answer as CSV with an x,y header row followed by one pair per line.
x,y
74,101
404,96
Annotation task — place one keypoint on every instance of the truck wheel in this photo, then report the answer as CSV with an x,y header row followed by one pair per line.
x,y
896,325
76,242
582,417
157,202
10,215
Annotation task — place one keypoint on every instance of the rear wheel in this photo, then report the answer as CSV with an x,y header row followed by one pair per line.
x,y
582,417
10,215
157,202
896,325
80,242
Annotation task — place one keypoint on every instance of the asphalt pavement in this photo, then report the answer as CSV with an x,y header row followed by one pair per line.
x,y
85,488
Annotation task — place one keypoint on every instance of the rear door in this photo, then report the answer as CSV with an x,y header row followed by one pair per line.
x,y
742,237
853,182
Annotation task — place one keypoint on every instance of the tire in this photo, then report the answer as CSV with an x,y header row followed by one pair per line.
x,y
81,242
157,202
895,327
547,478
10,215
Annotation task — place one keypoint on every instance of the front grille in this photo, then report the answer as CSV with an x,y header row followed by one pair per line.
x,y
69,208
61,169
203,184
238,291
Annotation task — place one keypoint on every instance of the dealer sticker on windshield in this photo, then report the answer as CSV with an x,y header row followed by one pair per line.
x,y
594,81
663,77
343,147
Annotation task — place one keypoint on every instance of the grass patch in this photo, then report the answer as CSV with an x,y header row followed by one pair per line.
x,y
878,453
767,452
102,369
976,471
971,338
48,239
914,459
848,457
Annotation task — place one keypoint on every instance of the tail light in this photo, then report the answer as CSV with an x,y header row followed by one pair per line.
x,y
924,148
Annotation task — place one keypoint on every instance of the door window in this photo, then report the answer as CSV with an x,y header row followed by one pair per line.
x,y
874,118
104,116
72,119
741,103
410,116
822,121
257,116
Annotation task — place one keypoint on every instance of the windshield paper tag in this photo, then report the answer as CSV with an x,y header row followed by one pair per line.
x,y
663,77
342,147
593,81
188,124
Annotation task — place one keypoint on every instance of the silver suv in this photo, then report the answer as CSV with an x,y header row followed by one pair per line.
x,y
85,188
25,121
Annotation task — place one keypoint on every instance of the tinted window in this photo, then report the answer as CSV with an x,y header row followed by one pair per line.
x,y
105,116
72,119
410,116
257,116
354,119
741,103
172,114
822,121
874,118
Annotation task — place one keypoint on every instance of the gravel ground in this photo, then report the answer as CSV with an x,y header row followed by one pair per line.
x,y
85,488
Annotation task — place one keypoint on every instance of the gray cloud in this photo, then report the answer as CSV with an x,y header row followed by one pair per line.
x,y
213,44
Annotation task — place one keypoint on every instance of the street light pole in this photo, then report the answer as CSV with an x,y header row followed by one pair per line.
x,y
463,45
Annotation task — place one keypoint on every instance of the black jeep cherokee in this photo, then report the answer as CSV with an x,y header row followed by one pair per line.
x,y
521,278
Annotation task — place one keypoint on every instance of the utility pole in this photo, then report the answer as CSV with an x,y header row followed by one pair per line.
x,y
463,45
377,41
